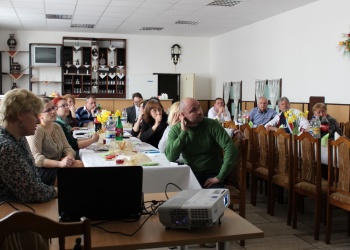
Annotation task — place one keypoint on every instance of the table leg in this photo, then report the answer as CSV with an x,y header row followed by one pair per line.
x,y
183,248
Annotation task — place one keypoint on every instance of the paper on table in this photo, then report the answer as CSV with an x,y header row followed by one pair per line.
x,y
324,140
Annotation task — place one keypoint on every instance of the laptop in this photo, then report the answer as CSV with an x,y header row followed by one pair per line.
x,y
100,193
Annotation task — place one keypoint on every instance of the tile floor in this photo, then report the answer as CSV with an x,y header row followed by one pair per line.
x,y
280,236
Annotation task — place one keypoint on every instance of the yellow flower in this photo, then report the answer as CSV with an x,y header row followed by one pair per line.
x,y
118,113
103,116
341,43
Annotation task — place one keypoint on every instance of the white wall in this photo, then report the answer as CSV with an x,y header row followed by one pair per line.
x,y
145,55
299,46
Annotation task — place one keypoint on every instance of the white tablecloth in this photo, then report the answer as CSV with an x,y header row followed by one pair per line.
x,y
155,178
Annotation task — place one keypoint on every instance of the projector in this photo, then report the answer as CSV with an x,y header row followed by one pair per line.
x,y
194,208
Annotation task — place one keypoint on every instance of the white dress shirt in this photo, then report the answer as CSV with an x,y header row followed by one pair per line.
x,y
213,115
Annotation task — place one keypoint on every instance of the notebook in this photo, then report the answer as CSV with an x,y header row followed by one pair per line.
x,y
100,193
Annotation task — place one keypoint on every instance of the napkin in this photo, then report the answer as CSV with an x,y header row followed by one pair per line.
x,y
324,140
336,136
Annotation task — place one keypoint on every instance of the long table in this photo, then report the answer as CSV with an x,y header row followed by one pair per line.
x,y
155,178
153,233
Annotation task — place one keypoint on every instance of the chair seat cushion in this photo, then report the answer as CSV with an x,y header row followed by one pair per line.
x,y
340,198
311,188
281,179
261,172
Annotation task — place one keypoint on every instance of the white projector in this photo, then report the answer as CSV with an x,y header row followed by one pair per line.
x,y
194,208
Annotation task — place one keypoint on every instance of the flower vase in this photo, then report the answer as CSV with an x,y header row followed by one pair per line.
x,y
295,130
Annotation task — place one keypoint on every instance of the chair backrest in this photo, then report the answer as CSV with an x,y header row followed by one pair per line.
x,y
282,152
248,134
339,165
261,147
307,160
345,126
24,221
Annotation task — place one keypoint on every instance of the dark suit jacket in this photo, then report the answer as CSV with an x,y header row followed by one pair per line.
x,y
131,112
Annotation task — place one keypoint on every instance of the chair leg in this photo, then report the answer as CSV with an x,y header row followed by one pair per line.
x,y
348,215
253,190
242,243
295,209
318,215
329,224
272,200
289,206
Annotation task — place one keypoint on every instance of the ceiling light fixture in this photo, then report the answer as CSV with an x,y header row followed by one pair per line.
x,y
225,3
191,23
151,28
58,16
87,26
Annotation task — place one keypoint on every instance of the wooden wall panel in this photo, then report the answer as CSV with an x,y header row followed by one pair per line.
x,y
205,106
339,112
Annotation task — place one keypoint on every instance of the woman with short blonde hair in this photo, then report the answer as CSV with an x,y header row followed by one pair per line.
x,y
19,178
320,110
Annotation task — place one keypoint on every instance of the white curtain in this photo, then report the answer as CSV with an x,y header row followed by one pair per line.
x,y
236,96
259,88
227,87
274,90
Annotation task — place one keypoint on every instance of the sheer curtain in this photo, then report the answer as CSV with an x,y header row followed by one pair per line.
x,y
259,88
274,90
236,86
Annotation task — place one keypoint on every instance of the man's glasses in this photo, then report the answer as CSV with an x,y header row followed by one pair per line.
x,y
63,106
54,108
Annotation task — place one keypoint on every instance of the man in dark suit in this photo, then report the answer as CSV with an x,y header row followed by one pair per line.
x,y
133,111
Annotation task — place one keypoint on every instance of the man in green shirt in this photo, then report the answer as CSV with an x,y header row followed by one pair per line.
x,y
201,141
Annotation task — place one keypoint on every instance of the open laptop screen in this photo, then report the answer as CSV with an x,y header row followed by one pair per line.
x,y
100,193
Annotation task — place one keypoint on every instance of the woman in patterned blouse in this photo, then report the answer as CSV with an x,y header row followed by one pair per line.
x,y
49,145
19,178
62,113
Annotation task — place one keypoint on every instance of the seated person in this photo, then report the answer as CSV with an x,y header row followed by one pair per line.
x,y
19,178
71,118
86,114
261,114
201,142
62,113
136,129
154,123
219,112
280,119
49,145
320,110
133,111
173,118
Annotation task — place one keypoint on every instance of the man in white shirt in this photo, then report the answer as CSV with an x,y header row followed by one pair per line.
x,y
133,111
280,119
219,112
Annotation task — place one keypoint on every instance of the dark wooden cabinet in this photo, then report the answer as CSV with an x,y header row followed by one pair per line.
x,y
94,66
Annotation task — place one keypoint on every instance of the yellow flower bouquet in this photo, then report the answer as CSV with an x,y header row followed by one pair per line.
x,y
345,45
294,120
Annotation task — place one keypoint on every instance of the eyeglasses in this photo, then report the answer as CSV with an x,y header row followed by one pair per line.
x,y
155,110
54,108
63,106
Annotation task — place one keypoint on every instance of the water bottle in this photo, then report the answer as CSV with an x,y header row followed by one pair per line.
x,y
240,118
246,116
110,130
119,130
316,128
124,117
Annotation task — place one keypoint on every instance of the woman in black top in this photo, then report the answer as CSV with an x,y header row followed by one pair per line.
x,y
154,122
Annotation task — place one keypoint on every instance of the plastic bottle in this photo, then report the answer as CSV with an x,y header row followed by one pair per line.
x,y
316,128
119,130
246,116
110,130
240,118
97,124
124,117
312,121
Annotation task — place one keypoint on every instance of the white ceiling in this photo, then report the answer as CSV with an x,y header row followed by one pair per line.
x,y
129,16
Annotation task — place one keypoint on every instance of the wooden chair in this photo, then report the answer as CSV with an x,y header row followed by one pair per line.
x,y
281,168
338,194
307,180
345,127
248,134
21,223
261,162
236,180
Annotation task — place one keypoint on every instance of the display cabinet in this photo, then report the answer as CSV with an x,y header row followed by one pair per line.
x,y
15,69
94,66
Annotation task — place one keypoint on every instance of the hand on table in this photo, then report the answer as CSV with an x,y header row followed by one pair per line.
x,y
211,181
